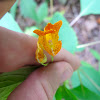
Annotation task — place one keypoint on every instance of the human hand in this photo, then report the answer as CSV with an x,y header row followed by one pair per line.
x,y
5,5
19,50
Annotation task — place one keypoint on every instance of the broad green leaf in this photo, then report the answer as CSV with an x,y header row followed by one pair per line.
x,y
83,93
95,54
13,9
42,12
8,22
29,31
89,78
10,80
64,93
99,66
47,1
48,18
90,7
5,91
66,33
84,63
79,49
28,9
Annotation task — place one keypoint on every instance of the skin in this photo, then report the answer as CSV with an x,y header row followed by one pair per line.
x,y
18,50
5,5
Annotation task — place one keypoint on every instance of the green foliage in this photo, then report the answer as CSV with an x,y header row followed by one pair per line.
x,y
8,22
64,93
90,7
28,9
84,63
13,9
47,1
80,49
66,33
9,81
5,91
29,31
86,84
42,12
89,78
95,54
83,93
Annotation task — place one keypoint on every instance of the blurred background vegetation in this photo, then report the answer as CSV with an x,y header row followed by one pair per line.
x,y
35,14
87,28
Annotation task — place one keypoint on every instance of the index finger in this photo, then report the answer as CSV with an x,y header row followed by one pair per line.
x,y
5,5
66,56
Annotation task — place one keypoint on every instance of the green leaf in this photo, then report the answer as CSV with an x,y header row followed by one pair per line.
x,y
85,94
99,66
10,80
13,9
95,54
84,63
5,91
42,12
66,33
64,93
28,9
89,78
29,31
80,49
8,22
90,7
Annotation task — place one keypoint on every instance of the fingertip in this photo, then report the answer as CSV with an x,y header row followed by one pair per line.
x,y
77,65
43,83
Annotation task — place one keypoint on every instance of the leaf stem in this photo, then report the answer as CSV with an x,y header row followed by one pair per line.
x,y
88,44
99,67
75,20
81,13
80,82
52,58
51,7
93,82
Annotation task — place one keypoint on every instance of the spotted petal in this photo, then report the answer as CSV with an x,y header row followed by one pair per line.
x,y
40,56
42,33
55,27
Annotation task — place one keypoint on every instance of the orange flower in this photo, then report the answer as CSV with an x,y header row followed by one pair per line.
x,y
48,41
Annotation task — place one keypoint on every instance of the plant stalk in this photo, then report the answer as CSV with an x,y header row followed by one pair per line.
x,y
51,7
88,44
81,14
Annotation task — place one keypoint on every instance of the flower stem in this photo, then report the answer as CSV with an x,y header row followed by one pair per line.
x,y
51,7
52,58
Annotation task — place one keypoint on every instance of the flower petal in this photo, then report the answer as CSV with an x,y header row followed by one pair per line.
x,y
55,49
49,41
40,56
55,27
39,32
48,27
42,33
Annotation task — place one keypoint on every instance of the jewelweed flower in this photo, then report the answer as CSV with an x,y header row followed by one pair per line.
x,y
48,40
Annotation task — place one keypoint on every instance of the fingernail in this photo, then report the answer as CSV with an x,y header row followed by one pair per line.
x,y
66,75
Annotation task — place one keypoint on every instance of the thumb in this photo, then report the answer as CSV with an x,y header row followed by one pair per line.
x,y
43,83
